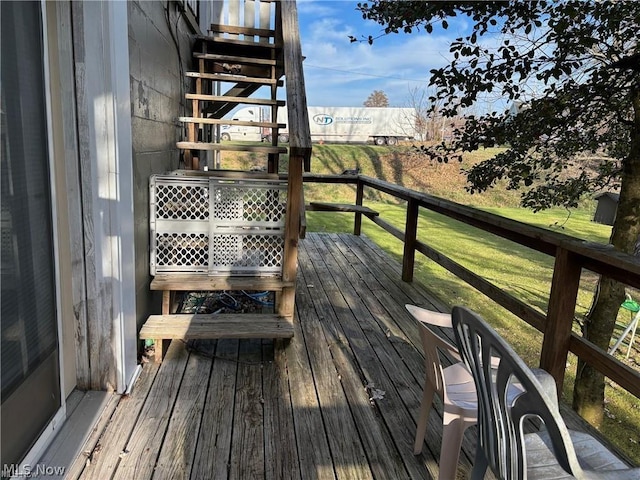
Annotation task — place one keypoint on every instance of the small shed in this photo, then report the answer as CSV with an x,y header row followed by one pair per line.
x,y
606,208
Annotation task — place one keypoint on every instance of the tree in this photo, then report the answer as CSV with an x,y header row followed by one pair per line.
x,y
428,121
430,124
377,99
574,67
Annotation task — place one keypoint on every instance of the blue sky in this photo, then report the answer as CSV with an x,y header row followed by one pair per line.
x,y
340,73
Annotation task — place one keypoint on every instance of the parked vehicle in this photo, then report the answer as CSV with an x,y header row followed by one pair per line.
x,y
382,126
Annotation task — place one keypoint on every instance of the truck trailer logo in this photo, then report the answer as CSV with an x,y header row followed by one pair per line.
x,y
323,119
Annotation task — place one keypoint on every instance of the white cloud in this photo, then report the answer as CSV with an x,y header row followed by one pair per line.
x,y
341,73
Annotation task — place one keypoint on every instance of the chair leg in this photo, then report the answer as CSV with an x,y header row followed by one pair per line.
x,y
453,427
480,465
423,419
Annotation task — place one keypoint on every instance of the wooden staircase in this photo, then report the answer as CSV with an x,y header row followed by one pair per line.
x,y
242,60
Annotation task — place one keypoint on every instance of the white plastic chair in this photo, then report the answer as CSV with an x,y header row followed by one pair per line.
x,y
455,387
502,444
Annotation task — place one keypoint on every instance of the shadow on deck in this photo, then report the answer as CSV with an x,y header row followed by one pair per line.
x,y
339,400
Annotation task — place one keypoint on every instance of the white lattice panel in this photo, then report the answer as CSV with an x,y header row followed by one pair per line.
x,y
222,227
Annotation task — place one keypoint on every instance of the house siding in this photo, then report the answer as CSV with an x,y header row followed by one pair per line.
x,y
157,100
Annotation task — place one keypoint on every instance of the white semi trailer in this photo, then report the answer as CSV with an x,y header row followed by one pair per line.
x,y
382,126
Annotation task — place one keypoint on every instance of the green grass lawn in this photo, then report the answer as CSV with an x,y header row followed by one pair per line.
x,y
522,272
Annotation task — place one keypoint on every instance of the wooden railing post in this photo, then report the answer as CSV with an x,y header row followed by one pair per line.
x,y
411,230
299,148
357,225
560,313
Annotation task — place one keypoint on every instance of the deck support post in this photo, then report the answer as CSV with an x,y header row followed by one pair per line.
x,y
286,303
560,314
411,229
162,345
357,226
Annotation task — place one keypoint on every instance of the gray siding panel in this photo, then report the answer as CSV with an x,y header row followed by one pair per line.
x,y
157,99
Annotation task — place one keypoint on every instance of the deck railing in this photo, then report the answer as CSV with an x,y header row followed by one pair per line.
x,y
239,13
571,256
299,141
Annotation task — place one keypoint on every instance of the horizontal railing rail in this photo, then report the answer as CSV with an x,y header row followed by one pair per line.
x,y
571,256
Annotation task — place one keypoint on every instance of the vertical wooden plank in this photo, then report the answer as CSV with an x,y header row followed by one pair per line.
x,y
247,448
249,15
217,13
214,440
73,192
89,81
265,19
560,313
160,346
234,16
357,226
411,229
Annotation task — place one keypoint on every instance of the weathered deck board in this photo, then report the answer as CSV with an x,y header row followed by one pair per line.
x,y
141,453
214,439
349,456
313,447
247,452
176,455
281,459
372,352
295,409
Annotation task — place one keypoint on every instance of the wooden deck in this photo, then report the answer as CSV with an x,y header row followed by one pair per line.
x,y
339,400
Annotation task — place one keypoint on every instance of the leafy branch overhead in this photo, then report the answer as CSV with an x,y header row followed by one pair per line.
x,y
560,65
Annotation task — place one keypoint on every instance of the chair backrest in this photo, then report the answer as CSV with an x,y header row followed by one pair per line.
x,y
431,343
501,416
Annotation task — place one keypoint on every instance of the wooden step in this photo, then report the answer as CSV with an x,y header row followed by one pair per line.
x,y
235,42
223,121
223,77
229,99
194,282
208,326
233,59
230,148
253,32
341,207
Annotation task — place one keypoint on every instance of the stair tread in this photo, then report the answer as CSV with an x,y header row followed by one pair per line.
x,y
236,42
225,121
189,281
223,77
230,99
235,59
233,148
237,30
231,325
